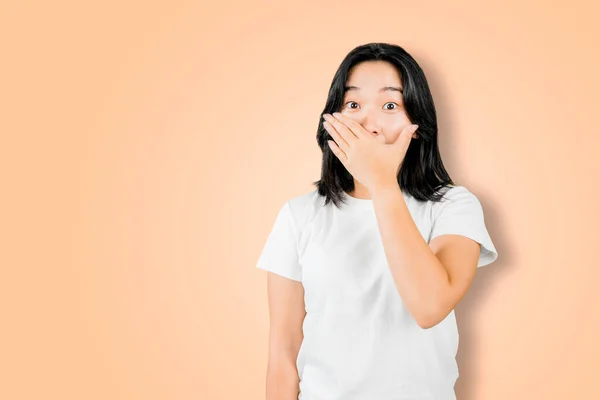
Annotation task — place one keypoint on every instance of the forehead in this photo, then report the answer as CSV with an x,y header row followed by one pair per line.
x,y
371,76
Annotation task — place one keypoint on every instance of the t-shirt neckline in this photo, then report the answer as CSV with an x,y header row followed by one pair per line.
x,y
357,202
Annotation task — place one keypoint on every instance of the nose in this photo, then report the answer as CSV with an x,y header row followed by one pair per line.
x,y
370,122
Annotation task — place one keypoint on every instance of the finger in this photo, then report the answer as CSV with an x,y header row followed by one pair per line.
x,y
342,129
403,140
339,140
357,129
380,139
337,151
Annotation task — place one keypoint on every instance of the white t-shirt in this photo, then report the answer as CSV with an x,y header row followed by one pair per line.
x,y
360,342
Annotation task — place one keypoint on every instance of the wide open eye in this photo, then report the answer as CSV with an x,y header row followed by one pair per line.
x,y
391,103
350,103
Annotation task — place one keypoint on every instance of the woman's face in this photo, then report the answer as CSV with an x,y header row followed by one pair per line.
x,y
373,98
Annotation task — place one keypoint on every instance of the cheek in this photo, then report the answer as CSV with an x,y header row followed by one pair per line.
x,y
393,126
397,122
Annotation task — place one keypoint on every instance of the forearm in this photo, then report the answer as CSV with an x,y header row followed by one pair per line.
x,y
420,278
282,380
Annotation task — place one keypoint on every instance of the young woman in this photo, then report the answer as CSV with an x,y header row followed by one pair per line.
x,y
365,271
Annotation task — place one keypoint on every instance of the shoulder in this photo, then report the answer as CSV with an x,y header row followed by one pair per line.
x,y
456,197
460,212
305,206
455,193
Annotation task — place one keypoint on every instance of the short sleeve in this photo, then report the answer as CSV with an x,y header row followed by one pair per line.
x,y
460,213
280,252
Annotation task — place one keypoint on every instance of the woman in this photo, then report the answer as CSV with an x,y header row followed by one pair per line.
x,y
365,271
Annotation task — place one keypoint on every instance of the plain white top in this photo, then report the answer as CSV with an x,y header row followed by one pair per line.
x,y
360,342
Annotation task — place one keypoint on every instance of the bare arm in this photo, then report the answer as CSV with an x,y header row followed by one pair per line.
x,y
286,312
431,278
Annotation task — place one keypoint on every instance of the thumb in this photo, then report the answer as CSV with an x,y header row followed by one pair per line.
x,y
404,138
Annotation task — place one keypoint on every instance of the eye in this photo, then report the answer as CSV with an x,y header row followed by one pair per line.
x,y
391,102
350,102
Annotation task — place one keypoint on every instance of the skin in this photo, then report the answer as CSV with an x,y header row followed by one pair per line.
x,y
371,138
371,141
286,314
380,113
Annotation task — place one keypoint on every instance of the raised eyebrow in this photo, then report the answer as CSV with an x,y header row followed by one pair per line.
x,y
383,89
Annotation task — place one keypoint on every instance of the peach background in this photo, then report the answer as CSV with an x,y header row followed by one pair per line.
x,y
146,148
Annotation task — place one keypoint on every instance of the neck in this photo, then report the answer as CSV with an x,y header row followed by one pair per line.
x,y
360,191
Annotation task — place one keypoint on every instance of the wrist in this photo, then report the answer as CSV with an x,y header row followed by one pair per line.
x,y
384,187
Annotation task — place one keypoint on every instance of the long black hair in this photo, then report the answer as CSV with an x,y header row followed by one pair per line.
x,y
422,174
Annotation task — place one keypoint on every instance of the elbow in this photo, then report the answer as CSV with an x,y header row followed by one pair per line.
x,y
427,320
426,323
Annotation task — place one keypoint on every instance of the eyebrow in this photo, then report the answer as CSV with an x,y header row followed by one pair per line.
x,y
383,89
